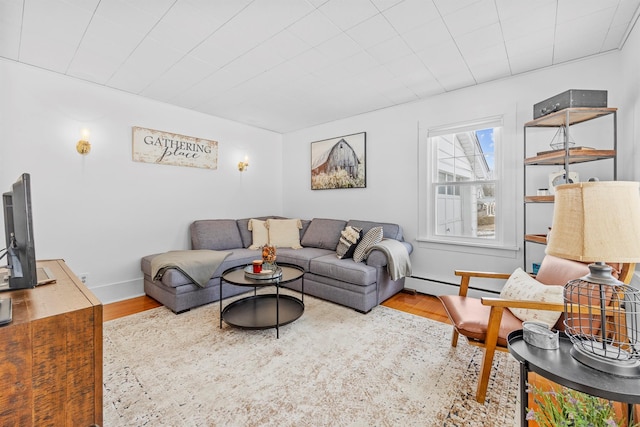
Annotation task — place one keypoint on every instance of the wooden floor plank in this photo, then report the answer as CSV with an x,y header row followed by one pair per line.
x,y
418,304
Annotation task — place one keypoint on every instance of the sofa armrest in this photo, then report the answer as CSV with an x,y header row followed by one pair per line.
x,y
377,258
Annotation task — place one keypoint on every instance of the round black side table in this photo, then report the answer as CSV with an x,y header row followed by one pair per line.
x,y
561,368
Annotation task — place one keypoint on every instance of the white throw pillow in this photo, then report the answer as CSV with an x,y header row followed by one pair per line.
x,y
284,233
521,286
259,232
372,237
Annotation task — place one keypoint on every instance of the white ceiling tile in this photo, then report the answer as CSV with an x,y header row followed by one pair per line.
x,y
625,12
252,63
446,7
488,72
532,42
285,44
389,50
477,15
138,17
356,64
348,13
181,76
339,47
10,26
480,39
456,80
62,22
143,66
314,28
583,47
429,34
105,46
568,10
372,31
310,61
613,38
383,5
202,23
522,61
406,67
399,93
426,87
373,76
409,14
536,21
443,59
521,9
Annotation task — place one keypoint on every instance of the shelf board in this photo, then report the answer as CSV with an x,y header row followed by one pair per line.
x,y
576,115
536,238
576,155
539,199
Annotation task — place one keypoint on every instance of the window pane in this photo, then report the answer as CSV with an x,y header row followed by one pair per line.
x,y
466,210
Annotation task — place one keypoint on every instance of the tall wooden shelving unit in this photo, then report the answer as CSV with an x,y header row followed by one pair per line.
x,y
565,157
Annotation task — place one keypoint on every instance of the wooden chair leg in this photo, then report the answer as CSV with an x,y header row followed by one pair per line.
x,y
454,338
490,343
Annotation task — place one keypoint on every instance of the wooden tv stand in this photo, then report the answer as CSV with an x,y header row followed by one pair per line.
x,y
51,354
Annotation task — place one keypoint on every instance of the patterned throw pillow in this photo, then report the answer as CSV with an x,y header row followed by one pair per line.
x,y
349,238
521,286
373,237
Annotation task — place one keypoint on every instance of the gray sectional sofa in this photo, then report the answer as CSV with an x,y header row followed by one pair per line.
x,y
359,285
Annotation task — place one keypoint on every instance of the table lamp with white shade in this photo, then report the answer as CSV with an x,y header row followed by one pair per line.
x,y
599,223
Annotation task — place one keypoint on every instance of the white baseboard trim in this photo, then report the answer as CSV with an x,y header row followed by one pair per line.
x,y
119,291
436,288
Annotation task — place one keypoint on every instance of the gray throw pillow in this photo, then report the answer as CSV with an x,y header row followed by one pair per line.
x,y
373,237
323,233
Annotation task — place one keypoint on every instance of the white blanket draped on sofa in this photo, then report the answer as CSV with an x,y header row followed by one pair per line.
x,y
198,265
399,264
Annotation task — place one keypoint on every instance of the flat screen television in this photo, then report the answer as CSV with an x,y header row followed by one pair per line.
x,y
18,224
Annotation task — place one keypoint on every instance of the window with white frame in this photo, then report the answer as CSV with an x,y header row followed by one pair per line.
x,y
460,187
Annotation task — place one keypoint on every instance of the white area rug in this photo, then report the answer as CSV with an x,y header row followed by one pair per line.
x,y
331,367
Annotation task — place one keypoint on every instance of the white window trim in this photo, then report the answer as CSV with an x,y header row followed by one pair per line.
x,y
506,231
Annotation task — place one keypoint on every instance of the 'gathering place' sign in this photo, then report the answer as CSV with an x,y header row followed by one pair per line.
x,y
154,146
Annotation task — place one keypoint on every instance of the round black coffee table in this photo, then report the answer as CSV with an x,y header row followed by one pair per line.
x,y
263,311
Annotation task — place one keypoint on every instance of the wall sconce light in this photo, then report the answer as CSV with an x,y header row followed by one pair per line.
x,y
84,146
243,165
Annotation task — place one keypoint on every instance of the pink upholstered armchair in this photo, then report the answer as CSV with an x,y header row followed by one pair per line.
x,y
487,322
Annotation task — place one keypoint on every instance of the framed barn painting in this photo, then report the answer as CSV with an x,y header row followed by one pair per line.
x,y
339,162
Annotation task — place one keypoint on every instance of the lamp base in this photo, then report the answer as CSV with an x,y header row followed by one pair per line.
x,y
620,367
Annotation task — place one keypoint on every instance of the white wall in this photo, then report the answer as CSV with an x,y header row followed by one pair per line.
x,y
630,105
630,113
103,212
392,165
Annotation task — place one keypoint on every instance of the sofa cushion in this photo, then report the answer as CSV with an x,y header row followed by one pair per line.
x,y
284,233
215,234
349,238
323,233
373,237
301,257
390,231
259,233
344,270
521,286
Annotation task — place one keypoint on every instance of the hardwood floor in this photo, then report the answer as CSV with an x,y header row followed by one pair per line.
x,y
418,304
